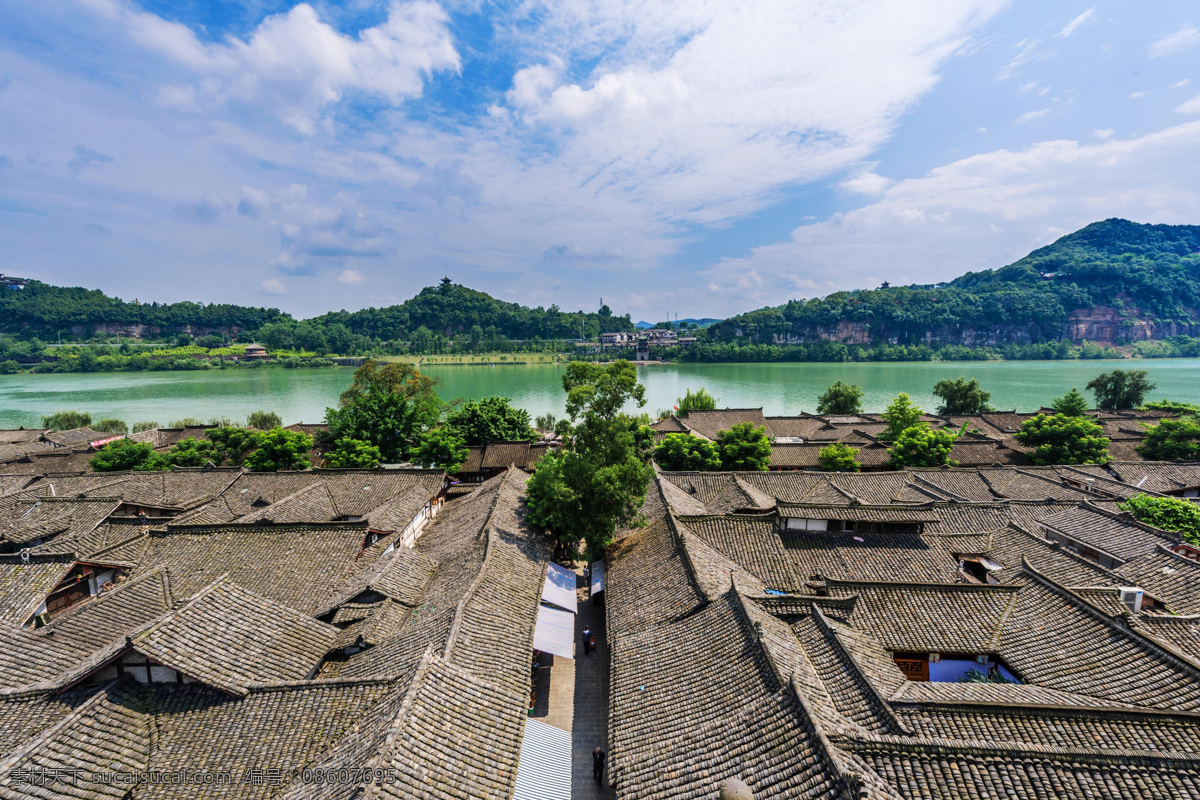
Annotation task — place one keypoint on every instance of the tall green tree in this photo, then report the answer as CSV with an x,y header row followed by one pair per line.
x,y
900,415
492,419
231,445
442,447
66,420
682,452
126,454
1071,404
699,400
1169,513
744,447
111,425
840,399
389,407
961,396
595,485
263,420
193,452
922,446
1121,388
1059,439
352,454
838,457
1172,440
280,450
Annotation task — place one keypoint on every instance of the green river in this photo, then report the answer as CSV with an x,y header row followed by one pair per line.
x,y
301,395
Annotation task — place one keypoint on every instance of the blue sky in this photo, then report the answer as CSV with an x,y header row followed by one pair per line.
x,y
696,158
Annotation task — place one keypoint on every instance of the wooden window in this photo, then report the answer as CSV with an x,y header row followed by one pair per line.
x,y
915,666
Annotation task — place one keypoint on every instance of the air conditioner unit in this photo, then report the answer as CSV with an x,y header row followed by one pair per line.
x,y
1131,597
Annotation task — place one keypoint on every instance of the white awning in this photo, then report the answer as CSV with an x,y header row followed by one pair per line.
x,y
544,772
559,588
989,565
555,632
597,577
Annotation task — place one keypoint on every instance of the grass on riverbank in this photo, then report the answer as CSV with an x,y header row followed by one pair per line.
x,y
479,359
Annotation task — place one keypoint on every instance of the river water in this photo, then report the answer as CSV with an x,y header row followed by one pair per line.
x,y
301,395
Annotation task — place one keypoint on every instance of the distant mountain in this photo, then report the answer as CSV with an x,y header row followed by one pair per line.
x,y
702,322
1112,282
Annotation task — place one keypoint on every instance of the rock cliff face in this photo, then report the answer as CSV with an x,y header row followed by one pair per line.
x,y
1104,325
136,331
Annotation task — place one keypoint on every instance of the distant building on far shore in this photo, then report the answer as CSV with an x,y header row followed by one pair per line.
x,y
256,351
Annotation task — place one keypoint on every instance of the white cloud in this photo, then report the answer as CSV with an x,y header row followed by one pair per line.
x,y
294,62
274,286
1181,84
1027,54
1029,116
981,129
1078,22
350,277
1174,43
1103,133
985,211
700,111
1137,95
867,183
1191,106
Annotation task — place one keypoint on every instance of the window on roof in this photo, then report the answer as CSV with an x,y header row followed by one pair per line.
x,y
849,526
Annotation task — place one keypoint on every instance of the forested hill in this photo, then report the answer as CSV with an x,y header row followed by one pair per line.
x,y
448,310
1112,282
47,311
451,310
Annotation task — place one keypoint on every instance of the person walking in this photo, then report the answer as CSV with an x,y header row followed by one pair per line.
x,y
598,765
587,640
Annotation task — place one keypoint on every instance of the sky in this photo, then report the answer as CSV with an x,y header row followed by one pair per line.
x,y
695,159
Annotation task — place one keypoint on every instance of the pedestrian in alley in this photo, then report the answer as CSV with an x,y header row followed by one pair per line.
x,y
587,640
598,765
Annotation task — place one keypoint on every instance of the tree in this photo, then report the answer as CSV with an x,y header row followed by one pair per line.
x,y
838,457
264,420
110,425
126,454
66,420
138,427
193,452
1172,440
389,407
441,447
595,485
900,415
231,445
1169,513
352,454
840,399
187,422
1071,404
922,446
1121,388
700,400
744,447
279,450
492,419
545,422
9,367
682,452
1060,439
961,396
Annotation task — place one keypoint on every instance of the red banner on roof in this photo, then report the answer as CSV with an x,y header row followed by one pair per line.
x,y
102,442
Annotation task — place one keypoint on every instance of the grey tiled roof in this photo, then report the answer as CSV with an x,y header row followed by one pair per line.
x,y
1116,533
228,637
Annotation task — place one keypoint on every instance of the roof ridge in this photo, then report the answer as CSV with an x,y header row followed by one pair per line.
x,y
990,749
860,676
393,731
461,609
850,784
68,719
279,686
1149,643
961,587
1190,717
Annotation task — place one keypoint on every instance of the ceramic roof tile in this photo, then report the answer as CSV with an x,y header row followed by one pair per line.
x,y
710,423
1118,534
752,542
